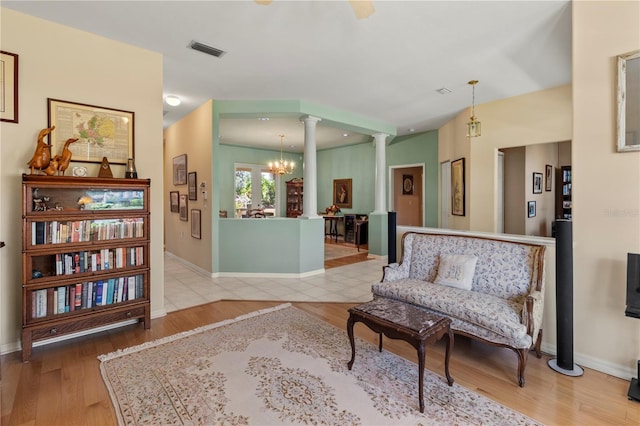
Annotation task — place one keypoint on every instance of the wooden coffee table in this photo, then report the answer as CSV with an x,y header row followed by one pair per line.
x,y
398,320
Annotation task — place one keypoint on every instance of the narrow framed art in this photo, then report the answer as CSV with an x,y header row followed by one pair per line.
x,y
628,123
537,183
548,177
101,131
183,204
531,209
8,87
457,187
174,197
192,185
196,224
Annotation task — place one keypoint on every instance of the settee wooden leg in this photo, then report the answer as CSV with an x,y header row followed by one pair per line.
x,y
522,363
538,343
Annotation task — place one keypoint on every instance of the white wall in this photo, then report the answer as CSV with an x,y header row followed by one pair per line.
x,y
63,63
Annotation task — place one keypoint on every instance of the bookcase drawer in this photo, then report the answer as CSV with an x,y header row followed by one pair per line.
x,y
96,320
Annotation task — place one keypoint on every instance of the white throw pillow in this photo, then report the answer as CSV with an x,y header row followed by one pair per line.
x,y
456,270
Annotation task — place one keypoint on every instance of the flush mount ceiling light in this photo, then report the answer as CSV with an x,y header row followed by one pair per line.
x,y
173,100
443,91
474,127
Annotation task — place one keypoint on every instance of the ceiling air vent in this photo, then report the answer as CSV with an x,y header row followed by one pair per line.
x,y
206,49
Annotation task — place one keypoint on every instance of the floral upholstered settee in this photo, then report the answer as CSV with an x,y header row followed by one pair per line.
x,y
493,290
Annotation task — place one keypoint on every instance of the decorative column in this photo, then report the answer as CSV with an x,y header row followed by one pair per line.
x,y
310,168
381,166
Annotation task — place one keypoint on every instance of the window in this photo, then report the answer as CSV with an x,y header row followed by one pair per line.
x,y
246,195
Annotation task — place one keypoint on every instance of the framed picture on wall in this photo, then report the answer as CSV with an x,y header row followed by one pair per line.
x,y
531,209
174,197
196,223
342,193
101,131
193,189
537,183
407,184
8,87
548,177
180,170
457,187
183,208
628,123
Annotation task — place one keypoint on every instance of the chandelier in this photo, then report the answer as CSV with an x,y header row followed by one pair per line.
x,y
281,167
474,127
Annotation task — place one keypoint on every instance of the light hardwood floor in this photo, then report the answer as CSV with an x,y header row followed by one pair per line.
x,y
62,383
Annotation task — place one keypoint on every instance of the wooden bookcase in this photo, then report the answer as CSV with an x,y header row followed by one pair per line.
x,y
295,193
85,254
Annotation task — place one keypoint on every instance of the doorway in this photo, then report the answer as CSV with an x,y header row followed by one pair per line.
x,y
407,194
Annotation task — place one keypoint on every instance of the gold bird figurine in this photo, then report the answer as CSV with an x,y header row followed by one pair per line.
x,y
42,155
65,158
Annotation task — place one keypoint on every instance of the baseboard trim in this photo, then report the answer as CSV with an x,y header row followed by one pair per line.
x,y
616,370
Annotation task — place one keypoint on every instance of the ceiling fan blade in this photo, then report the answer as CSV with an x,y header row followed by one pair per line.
x,y
264,2
362,8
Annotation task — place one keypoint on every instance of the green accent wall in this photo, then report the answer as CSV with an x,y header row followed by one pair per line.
x,y
272,245
416,149
355,162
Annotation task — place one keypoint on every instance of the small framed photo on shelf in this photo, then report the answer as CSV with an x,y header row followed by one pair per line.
x,y
101,131
531,209
174,197
196,224
183,207
180,170
548,177
192,184
537,183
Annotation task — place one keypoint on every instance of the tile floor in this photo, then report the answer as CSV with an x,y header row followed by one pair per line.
x,y
185,287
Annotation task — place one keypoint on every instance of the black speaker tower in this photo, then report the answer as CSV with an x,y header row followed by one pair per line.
x,y
391,237
564,301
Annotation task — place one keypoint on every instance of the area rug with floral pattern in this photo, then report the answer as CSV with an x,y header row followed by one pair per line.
x,y
282,366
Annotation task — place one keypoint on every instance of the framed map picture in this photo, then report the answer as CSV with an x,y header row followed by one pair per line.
x,y
101,132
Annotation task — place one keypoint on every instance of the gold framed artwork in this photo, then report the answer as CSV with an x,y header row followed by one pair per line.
x,y
101,132
457,188
342,196
8,87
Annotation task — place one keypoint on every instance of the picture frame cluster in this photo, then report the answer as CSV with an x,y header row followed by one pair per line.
x,y
179,202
